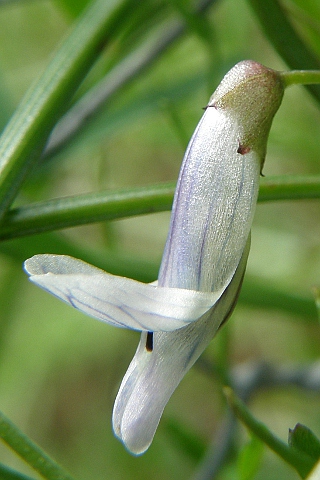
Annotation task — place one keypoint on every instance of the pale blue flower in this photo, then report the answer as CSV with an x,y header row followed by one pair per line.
x,y
204,258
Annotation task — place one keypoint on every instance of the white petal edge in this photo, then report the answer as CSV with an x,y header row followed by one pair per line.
x,y
119,301
153,376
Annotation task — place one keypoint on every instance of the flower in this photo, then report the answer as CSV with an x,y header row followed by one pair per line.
x,y
204,258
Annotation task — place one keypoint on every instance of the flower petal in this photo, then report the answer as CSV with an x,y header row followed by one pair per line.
x,y
153,375
119,301
218,183
213,208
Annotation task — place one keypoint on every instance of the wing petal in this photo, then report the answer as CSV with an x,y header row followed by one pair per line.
x,y
119,301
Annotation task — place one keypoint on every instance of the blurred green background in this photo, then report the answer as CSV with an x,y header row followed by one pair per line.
x,y
60,370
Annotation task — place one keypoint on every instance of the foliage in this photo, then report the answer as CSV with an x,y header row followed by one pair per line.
x,y
99,137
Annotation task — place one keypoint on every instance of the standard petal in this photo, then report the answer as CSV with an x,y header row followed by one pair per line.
x,y
153,375
218,183
119,301
213,207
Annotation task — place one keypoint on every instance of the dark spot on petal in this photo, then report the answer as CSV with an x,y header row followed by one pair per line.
x,y
149,342
210,105
243,149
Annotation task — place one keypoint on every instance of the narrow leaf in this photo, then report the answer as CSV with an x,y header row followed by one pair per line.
x,y
316,292
250,459
7,473
30,452
303,439
24,137
285,39
185,439
73,8
125,71
84,209
96,207
261,294
298,460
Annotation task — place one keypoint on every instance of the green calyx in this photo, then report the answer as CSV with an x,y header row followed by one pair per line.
x,y
251,94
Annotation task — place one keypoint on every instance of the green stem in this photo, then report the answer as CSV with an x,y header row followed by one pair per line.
x,y
30,452
96,207
25,135
302,463
301,77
